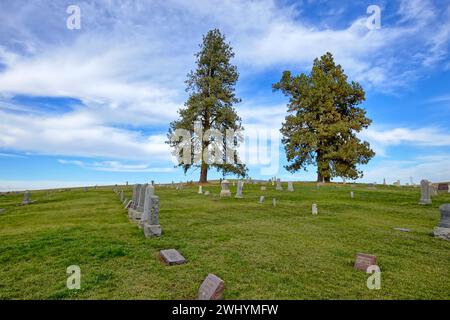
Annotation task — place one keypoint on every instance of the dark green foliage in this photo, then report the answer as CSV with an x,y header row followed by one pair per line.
x,y
210,104
323,121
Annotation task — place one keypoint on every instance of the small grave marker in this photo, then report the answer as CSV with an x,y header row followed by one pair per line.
x,y
211,289
363,261
171,257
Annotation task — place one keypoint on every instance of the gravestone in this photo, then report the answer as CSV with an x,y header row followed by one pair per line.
x,y
314,210
274,202
26,198
425,197
171,257
363,261
141,200
121,195
146,212
239,190
261,199
278,186
206,193
211,289
200,190
2,210
263,188
133,214
128,204
290,186
151,224
352,195
402,229
433,190
225,192
443,229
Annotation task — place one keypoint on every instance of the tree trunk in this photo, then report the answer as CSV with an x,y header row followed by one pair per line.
x,y
204,173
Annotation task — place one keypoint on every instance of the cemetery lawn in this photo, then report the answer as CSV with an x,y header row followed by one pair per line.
x,y
260,251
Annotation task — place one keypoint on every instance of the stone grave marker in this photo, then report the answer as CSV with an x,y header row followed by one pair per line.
x,y
206,193
443,229
261,199
278,186
239,190
151,221
352,194
274,202
146,212
290,186
225,189
26,198
402,229
200,190
363,261
171,257
425,197
211,289
121,196
314,210
263,188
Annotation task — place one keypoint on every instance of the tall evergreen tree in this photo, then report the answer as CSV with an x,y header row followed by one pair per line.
x,y
322,122
210,105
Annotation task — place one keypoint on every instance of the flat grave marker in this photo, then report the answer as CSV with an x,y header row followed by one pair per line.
x,y
171,257
363,261
211,289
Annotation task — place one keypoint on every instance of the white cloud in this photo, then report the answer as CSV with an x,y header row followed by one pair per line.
x,y
116,166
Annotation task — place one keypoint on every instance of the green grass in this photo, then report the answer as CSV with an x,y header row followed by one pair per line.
x,y
260,251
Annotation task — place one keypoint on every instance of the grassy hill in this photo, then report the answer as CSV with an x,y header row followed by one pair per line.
x,y
260,251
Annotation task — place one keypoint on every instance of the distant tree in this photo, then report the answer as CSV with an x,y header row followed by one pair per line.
x,y
322,122
210,107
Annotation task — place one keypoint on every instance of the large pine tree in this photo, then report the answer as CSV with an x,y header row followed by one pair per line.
x,y
322,122
210,105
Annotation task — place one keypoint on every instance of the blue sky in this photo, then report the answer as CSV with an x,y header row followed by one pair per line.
x,y
92,106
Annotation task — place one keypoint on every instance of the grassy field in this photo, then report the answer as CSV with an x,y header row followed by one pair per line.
x,y
261,251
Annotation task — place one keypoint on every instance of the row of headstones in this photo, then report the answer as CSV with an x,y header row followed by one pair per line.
x,y
225,188
143,209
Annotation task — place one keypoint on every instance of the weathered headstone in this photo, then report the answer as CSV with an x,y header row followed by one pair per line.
x,y
363,261
433,190
314,210
141,200
425,197
290,186
225,189
151,222
261,199
263,188
171,257
146,212
200,190
206,193
278,186
26,198
274,202
211,289
239,190
443,229
352,195
402,229
121,195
